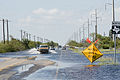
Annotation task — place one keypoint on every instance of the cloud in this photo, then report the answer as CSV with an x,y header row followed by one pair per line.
x,y
52,16
39,11
44,11
53,11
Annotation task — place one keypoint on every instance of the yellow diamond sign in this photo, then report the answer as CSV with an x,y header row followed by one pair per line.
x,y
92,53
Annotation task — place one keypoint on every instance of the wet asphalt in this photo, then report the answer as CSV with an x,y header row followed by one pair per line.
x,y
71,66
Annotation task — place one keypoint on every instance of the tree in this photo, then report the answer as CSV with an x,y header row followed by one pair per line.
x,y
110,34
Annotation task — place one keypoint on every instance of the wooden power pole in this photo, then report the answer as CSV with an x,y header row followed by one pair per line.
x,y
7,32
3,31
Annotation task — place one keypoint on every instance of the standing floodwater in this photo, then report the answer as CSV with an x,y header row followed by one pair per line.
x,y
73,66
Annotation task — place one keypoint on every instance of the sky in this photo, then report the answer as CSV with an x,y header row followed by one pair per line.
x,y
56,20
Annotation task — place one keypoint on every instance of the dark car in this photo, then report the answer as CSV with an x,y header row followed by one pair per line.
x,y
52,49
64,48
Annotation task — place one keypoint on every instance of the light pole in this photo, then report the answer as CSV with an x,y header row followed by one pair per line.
x,y
113,10
113,19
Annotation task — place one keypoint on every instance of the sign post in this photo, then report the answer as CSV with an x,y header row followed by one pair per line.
x,y
115,30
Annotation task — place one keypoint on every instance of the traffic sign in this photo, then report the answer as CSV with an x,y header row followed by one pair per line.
x,y
92,53
116,27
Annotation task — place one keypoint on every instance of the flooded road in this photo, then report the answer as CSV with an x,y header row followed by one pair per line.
x,y
70,66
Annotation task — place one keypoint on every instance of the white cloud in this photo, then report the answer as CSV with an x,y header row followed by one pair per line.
x,y
39,11
53,11
53,16
44,11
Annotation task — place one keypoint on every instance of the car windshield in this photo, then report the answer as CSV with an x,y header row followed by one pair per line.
x,y
44,46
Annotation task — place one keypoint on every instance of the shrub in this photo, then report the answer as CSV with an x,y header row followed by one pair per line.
x,y
105,46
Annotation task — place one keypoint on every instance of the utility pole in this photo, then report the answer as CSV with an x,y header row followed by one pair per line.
x,y
83,33
41,40
83,36
7,33
96,24
80,34
21,34
34,40
38,39
93,37
29,36
104,34
3,31
24,35
74,37
88,28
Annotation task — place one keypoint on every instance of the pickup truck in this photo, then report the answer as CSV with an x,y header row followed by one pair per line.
x,y
44,49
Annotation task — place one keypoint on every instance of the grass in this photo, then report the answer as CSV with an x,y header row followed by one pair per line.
x,y
103,60
112,53
106,61
106,50
77,51
109,51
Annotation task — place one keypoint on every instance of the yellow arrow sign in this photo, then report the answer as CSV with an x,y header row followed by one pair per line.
x,y
92,53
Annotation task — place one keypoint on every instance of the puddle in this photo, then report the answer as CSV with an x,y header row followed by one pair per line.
x,y
49,72
23,68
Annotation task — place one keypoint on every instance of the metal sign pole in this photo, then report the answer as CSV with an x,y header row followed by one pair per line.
x,y
115,48
115,31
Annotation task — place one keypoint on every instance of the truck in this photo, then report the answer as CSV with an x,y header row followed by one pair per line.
x,y
44,49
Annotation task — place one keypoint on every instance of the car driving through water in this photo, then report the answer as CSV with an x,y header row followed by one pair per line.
x,y
43,49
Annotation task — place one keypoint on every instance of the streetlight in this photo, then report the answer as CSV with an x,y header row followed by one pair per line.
x,y
114,34
113,19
